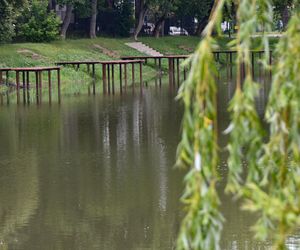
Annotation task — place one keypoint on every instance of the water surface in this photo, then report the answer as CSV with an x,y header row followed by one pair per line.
x,y
96,172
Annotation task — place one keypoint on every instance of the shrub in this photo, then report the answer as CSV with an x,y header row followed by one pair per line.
x,y
126,18
7,29
117,21
37,24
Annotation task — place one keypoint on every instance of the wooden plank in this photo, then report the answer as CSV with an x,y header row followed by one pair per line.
x,y
99,62
32,69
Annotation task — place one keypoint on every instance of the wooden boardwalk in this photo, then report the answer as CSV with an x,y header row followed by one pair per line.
x,y
176,69
226,57
25,75
108,72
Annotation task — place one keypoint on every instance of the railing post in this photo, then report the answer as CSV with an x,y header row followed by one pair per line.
x,y
104,77
58,84
120,65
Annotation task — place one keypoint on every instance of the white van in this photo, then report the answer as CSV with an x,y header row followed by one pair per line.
x,y
177,31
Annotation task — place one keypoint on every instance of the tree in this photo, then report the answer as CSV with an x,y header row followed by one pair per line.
x,y
282,8
36,24
9,11
271,186
161,9
197,9
93,20
142,7
7,30
125,20
229,13
67,19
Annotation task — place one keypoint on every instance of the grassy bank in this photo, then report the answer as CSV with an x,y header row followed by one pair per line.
x,y
45,54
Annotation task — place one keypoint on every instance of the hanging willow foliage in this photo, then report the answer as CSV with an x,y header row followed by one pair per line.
x,y
202,225
272,184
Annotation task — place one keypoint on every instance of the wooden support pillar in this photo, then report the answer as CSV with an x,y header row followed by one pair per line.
x,y
121,76
94,79
37,86
58,84
40,79
125,73
108,78
132,69
40,85
141,75
18,86
113,78
227,63
93,70
159,66
24,86
23,80
1,77
178,72
88,67
27,80
28,87
18,80
7,77
171,71
104,78
49,86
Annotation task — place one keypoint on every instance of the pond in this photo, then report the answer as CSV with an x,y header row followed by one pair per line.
x,y
97,172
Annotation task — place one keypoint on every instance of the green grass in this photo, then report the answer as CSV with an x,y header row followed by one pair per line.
x,y
46,54
181,45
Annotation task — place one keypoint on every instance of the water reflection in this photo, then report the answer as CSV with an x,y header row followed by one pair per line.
x,y
97,173
104,176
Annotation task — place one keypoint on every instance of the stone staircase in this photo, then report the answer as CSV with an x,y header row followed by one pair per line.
x,y
143,49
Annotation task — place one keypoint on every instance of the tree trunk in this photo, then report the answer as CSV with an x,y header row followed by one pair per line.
x,y
158,25
142,13
163,28
205,20
285,17
110,3
66,21
93,19
201,26
50,5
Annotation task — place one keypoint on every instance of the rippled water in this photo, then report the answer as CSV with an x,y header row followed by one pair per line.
x,y
96,172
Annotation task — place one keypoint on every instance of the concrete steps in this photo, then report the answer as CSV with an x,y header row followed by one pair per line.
x,y
139,46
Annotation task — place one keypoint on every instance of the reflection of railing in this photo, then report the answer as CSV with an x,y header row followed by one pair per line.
x,y
108,72
38,71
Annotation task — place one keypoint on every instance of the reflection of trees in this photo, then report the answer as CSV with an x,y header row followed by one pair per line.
x,y
18,196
